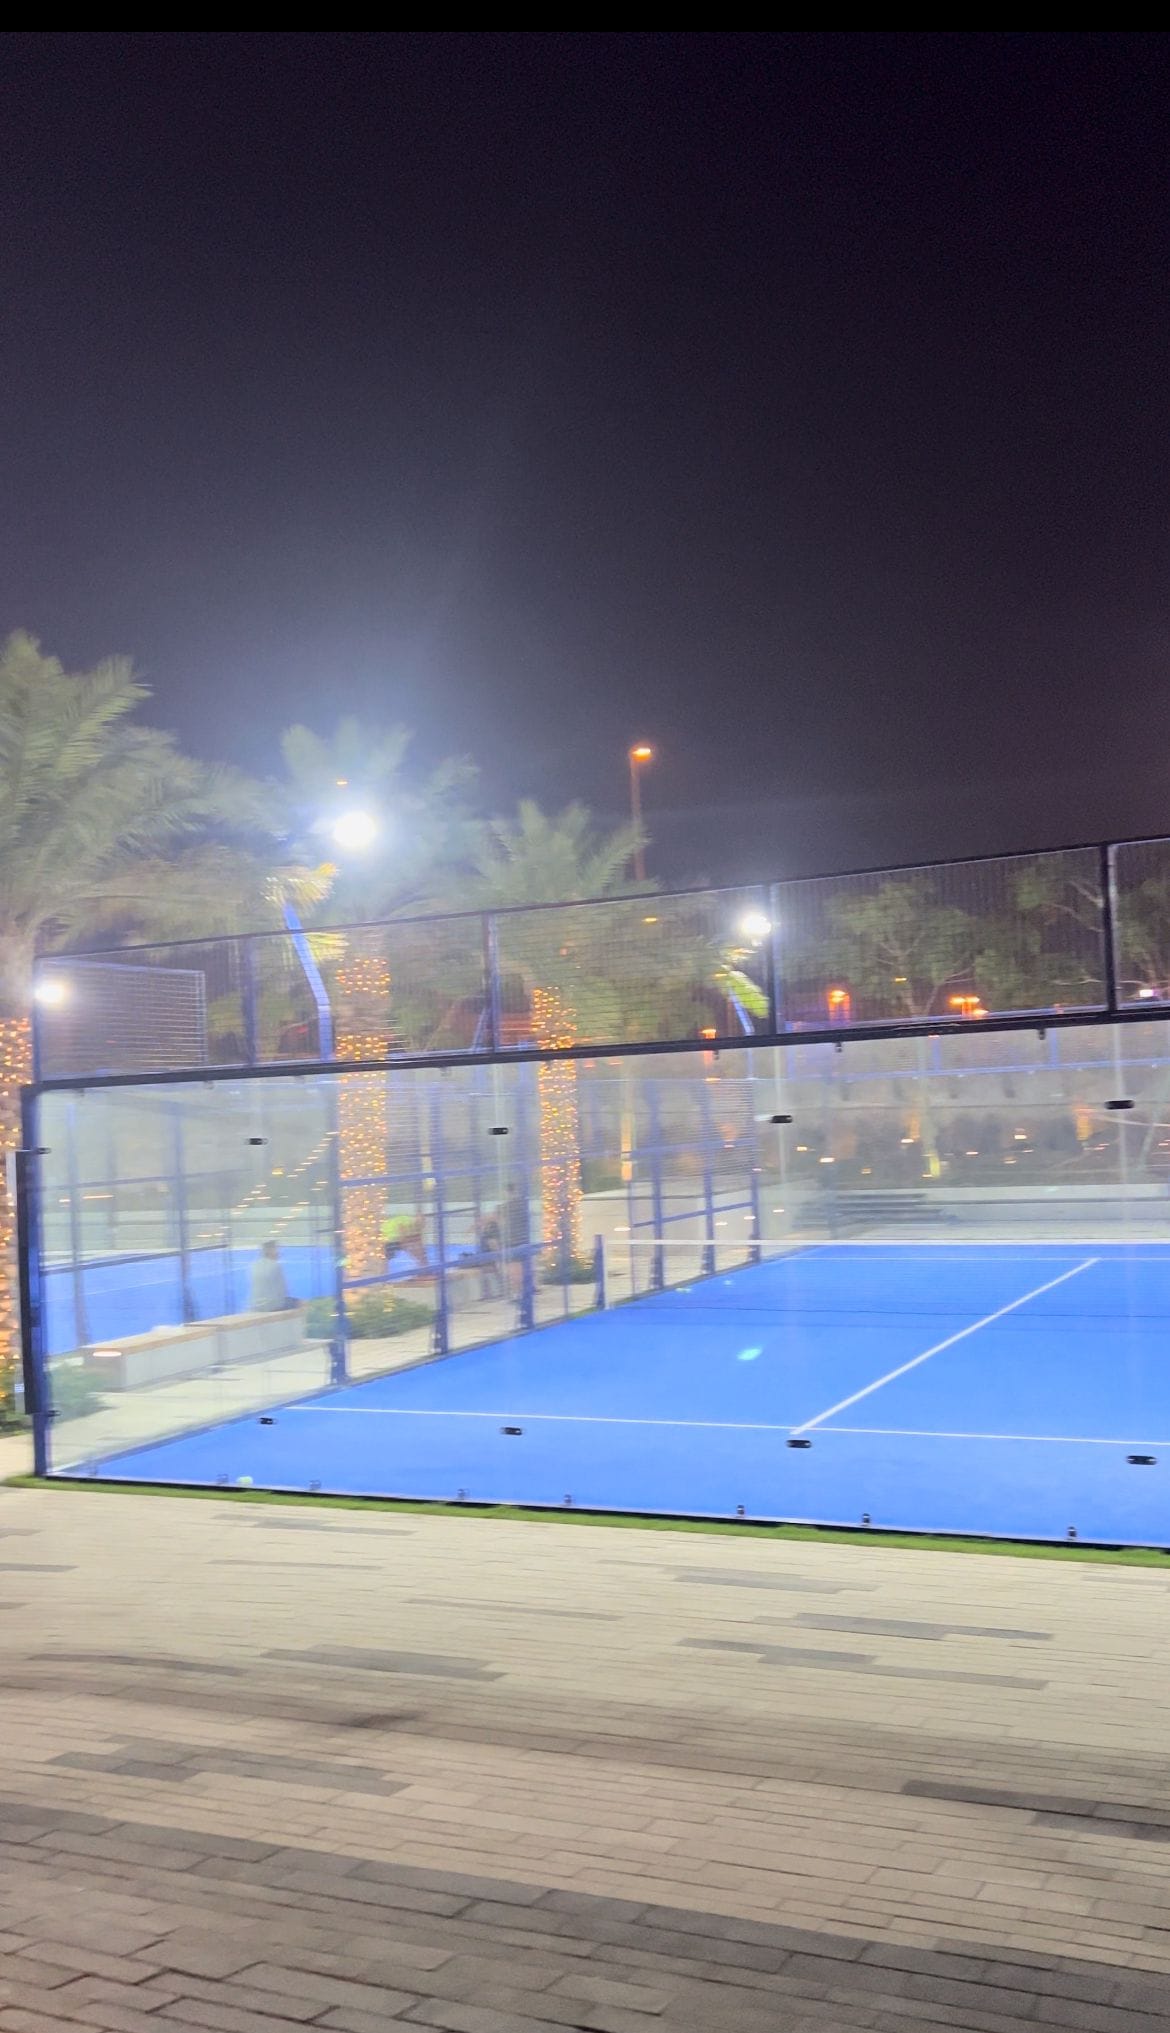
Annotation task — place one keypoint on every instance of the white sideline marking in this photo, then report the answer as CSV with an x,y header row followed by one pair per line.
x,y
720,1425
1039,1439
987,1321
553,1418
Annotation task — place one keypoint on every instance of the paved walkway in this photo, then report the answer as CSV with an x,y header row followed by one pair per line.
x,y
278,1767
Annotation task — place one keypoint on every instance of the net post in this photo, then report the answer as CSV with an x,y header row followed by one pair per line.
x,y
599,1273
31,1289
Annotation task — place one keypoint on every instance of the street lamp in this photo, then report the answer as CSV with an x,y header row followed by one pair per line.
x,y
639,756
354,831
51,991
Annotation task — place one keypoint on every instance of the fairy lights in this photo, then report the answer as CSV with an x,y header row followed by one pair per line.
x,y
555,1026
363,1123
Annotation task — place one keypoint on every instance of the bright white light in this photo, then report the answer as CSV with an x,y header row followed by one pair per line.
x,y
1145,995
754,925
353,832
52,991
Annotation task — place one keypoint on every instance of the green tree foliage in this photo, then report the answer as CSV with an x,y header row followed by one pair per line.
x,y
105,827
426,829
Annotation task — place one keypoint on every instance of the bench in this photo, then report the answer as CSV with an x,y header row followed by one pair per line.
x,y
139,1360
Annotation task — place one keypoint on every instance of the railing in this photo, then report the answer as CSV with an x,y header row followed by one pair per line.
x,y
1074,931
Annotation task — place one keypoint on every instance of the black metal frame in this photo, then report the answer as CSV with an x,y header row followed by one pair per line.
x,y
838,1035
489,1039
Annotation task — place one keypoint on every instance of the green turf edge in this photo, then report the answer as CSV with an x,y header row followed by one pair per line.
x,y
824,1535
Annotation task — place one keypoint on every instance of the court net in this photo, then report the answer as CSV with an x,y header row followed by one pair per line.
x,y
866,1277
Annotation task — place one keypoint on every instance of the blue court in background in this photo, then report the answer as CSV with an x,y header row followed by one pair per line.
x,y
987,1388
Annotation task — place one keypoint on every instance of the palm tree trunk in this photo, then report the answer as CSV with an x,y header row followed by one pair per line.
x,y
555,1025
363,982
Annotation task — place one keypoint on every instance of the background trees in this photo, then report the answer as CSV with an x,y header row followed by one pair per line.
x,y
104,827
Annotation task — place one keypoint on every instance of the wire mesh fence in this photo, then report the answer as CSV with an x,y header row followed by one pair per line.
x,y
1077,930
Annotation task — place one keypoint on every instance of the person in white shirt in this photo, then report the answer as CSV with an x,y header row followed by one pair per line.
x,y
270,1293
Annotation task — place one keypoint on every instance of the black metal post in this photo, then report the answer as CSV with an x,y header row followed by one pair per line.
x,y
182,1226
76,1257
775,982
491,983
248,999
1109,925
31,1286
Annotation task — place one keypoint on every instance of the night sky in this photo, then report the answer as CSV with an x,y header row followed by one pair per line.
x,y
799,403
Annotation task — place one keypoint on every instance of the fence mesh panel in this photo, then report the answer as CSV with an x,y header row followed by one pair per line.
x,y
1141,903
636,969
960,940
946,944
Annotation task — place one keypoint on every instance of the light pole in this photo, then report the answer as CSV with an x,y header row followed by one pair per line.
x,y
640,754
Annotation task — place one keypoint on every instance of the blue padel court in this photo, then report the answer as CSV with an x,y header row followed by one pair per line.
x,y
1001,1389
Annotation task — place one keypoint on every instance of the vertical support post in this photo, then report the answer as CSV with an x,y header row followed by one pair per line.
x,y
755,1162
339,1339
527,1298
708,1181
599,1272
441,1331
492,1004
248,1000
657,1211
76,1259
1109,925
31,1285
775,981
182,1229
312,974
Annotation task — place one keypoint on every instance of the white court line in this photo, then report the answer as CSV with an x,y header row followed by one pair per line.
x,y
987,1321
550,1418
1040,1439
717,1425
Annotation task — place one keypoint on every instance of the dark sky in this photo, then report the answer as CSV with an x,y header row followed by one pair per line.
x,y
797,402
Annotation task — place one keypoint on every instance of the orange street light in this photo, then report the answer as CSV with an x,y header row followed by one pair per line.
x,y
640,754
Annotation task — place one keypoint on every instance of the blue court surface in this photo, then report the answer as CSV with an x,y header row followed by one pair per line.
x,y
989,1388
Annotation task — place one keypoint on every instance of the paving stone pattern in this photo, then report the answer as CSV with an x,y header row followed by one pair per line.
x,y
502,1778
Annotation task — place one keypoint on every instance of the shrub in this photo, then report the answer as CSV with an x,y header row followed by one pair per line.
x,y
374,1315
568,1271
74,1390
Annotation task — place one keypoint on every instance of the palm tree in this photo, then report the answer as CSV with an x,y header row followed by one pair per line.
x,y
425,826
554,964
382,984
104,826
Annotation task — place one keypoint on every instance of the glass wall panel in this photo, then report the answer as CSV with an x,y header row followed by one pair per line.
x,y
907,1283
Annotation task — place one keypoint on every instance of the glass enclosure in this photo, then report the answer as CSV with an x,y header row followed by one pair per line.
x,y
911,1282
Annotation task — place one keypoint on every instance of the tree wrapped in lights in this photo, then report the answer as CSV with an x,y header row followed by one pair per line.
x,y
363,983
554,1027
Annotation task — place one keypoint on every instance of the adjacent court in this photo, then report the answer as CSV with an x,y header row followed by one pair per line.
x,y
1005,1389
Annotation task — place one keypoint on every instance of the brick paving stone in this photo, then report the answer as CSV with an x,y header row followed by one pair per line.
x,y
414,1789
